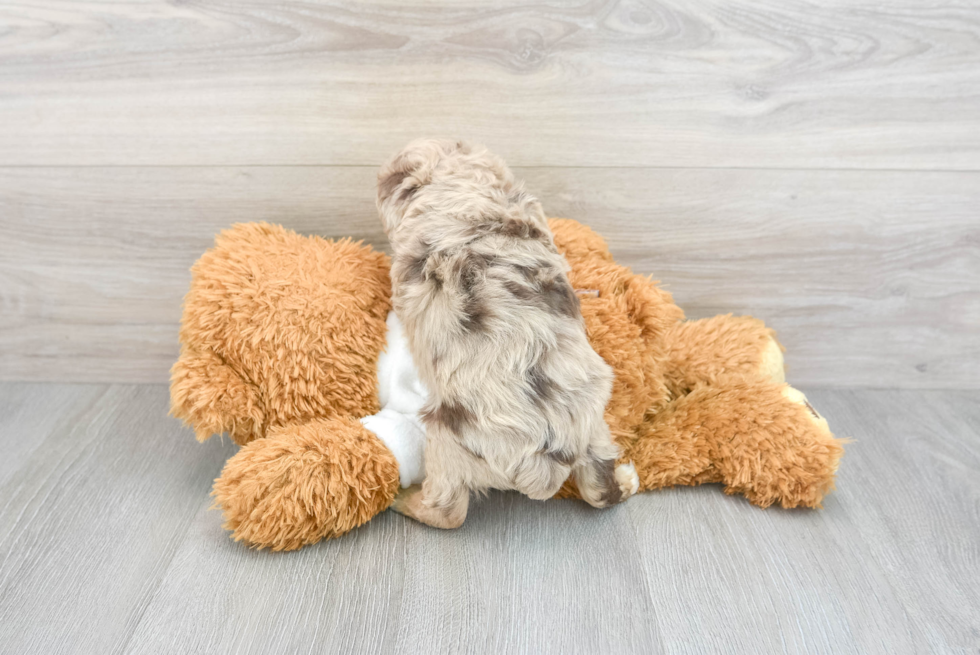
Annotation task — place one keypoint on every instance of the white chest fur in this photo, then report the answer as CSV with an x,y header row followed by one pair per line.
x,y
402,396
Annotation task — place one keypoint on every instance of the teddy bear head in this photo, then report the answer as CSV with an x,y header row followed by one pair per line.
x,y
279,328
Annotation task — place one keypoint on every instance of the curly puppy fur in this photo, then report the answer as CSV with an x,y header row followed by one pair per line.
x,y
517,392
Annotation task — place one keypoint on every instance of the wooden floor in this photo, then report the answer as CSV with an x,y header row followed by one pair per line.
x,y
815,164
107,545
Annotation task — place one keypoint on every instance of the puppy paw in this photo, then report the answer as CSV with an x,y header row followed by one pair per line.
x,y
628,480
407,500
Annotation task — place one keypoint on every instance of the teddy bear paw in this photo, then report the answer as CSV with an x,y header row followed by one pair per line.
x,y
798,397
771,364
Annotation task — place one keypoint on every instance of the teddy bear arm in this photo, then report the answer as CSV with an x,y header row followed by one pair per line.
x,y
669,449
760,439
208,395
306,482
704,350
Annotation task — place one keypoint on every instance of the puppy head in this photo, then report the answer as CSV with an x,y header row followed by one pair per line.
x,y
408,177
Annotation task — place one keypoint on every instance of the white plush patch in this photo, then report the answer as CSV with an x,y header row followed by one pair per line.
x,y
402,396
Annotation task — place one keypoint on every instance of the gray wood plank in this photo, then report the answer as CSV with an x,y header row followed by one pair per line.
x,y
553,577
93,514
221,597
716,83
872,278
915,498
29,413
519,577
888,566
107,545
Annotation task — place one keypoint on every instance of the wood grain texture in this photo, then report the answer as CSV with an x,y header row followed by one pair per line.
x,y
106,545
886,567
872,278
779,84
540,584
29,413
92,516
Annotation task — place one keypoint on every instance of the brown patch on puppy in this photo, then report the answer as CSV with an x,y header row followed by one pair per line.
x,y
413,268
454,415
409,193
520,230
560,298
611,493
387,185
529,273
542,386
468,269
475,314
563,456
519,290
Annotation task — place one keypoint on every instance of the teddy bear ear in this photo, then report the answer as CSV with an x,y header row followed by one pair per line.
x,y
577,241
212,398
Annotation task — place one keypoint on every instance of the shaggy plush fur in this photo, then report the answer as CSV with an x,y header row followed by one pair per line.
x,y
701,438
279,328
516,391
265,345
305,482
627,319
280,341
717,407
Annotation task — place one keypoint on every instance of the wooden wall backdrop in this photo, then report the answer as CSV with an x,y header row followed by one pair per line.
x,y
813,164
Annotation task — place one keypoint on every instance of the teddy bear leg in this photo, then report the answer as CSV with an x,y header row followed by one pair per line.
x,y
704,350
306,482
670,448
759,439
788,454
209,395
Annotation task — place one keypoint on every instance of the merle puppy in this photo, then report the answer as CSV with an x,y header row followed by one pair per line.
x,y
517,393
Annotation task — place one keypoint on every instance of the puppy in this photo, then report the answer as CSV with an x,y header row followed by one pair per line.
x,y
516,392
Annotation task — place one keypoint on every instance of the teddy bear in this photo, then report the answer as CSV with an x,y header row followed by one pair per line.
x,y
289,346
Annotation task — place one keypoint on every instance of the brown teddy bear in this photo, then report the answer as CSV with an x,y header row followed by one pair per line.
x,y
288,347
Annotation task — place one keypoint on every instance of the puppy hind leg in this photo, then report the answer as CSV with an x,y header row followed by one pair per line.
x,y
434,504
540,476
599,479
443,499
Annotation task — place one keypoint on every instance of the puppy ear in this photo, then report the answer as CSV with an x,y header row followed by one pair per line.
x,y
397,185
402,175
390,178
408,171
